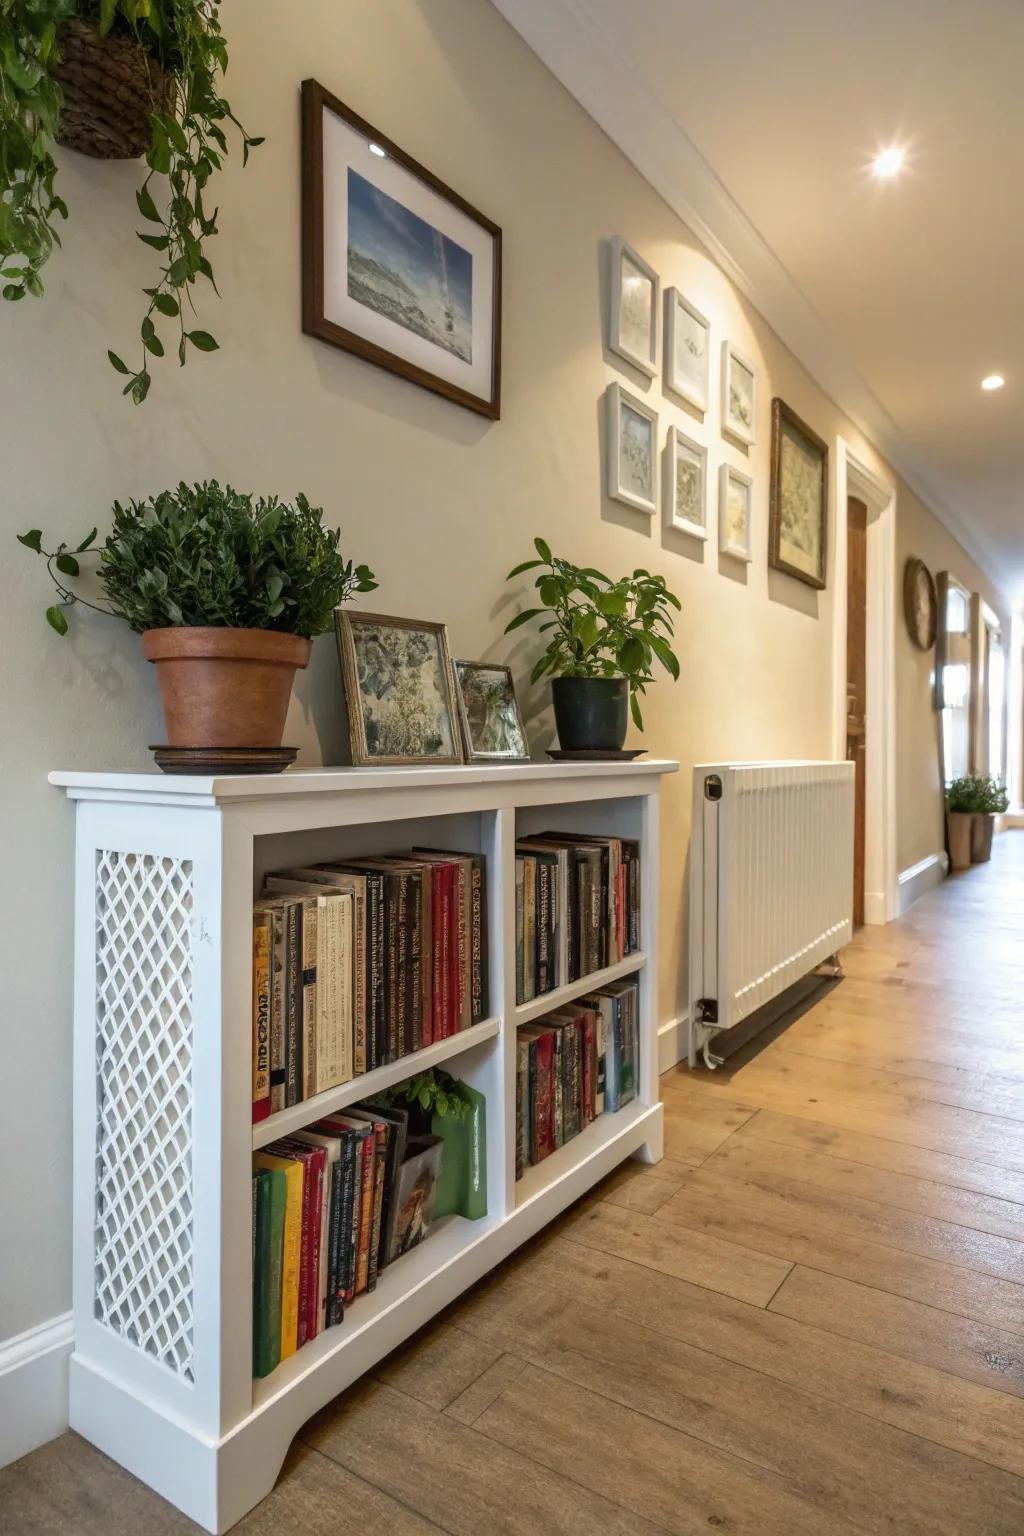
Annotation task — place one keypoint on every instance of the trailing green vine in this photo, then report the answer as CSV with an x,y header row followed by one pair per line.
x,y
188,145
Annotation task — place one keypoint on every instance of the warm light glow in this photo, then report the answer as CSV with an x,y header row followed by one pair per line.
x,y
375,149
993,381
888,163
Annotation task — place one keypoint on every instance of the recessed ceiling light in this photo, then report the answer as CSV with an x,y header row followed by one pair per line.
x,y
888,163
375,149
993,381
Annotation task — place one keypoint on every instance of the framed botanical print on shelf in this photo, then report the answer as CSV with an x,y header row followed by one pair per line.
x,y
685,497
798,505
739,395
687,351
632,429
634,292
396,267
735,533
398,690
492,726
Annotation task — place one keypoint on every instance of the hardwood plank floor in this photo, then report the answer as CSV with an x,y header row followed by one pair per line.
x,y
809,1318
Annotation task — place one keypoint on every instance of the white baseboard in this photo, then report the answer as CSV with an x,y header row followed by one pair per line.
x,y
673,1043
34,1387
923,876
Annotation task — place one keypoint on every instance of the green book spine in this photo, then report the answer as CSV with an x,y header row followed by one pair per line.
x,y
270,1207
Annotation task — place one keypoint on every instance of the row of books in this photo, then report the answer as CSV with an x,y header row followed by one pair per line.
x,y
359,963
332,1207
577,908
574,1064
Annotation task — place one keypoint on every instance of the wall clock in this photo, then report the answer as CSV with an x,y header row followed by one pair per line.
x,y
919,603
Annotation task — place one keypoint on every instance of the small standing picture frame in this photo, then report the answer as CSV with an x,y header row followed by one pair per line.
x,y
492,725
399,696
735,533
739,395
687,351
685,495
632,450
633,311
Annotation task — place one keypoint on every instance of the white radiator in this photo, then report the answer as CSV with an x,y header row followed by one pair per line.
x,y
771,884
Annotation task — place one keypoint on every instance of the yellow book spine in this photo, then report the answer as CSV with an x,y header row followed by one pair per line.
x,y
260,1008
293,1171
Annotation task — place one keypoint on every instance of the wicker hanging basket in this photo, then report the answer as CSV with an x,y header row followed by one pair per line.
x,y
110,85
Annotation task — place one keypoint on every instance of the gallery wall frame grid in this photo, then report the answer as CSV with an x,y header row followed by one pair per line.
x,y
632,454
630,310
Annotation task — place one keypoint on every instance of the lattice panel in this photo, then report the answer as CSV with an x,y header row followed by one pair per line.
x,y
143,1227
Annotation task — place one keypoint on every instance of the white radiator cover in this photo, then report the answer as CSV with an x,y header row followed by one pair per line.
x,y
771,883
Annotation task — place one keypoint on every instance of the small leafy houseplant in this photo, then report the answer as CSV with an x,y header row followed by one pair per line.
x,y
63,68
227,591
972,803
605,637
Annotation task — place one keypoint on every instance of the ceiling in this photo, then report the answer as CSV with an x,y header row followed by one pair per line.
x,y
758,122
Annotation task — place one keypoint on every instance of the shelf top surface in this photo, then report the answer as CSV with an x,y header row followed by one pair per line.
x,y
334,781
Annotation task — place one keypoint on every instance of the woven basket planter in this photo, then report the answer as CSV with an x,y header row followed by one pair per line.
x,y
110,86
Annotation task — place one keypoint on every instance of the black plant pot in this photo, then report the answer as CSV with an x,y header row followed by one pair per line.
x,y
591,713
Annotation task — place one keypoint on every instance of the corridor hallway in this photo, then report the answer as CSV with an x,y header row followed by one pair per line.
x,y
808,1320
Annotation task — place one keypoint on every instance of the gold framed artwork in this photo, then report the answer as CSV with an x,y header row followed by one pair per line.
x,y
798,498
492,726
399,696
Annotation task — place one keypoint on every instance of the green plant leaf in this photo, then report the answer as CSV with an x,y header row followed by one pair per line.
x,y
147,207
522,618
525,565
202,340
157,242
107,9
155,345
56,620
89,539
67,565
166,304
543,550
32,540
634,709
117,362
665,654
631,655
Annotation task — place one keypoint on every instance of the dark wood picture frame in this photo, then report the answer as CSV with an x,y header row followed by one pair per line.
x,y
781,413
344,624
316,99
914,572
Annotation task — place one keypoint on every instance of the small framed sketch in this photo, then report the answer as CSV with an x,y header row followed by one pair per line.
x,y
633,318
687,351
632,450
398,690
492,727
739,395
734,512
685,497
798,503
396,267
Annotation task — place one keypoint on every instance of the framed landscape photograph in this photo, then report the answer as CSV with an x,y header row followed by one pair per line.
x,y
686,485
735,533
396,267
492,727
687,351
632,450
798,504
398,690
739,395
633,318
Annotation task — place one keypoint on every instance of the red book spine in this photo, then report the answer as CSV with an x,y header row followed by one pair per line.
x,y
319,1162
448,939
545,1097
309,1193
620,911
437,956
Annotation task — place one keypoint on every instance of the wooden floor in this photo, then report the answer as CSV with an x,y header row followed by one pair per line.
x,y
808,1319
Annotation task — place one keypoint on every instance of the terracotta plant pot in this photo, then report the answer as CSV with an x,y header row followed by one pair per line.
x,y
981,837
959,827
225,687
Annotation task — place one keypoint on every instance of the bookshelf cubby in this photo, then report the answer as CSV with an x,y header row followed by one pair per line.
x,y
165,872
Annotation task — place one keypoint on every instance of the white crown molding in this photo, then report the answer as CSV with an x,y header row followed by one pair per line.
x,y
574,46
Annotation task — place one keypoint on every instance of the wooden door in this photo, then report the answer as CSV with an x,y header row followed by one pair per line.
x,y
856,681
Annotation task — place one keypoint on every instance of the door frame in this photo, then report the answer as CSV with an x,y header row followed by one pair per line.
x,y
856,478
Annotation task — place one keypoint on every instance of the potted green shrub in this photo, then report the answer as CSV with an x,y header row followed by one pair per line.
x,y
993,801
116,79
226,590
965,798
605,638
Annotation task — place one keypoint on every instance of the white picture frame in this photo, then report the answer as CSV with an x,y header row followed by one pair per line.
x,y
737,542
679,503
629,479
739,395
634,302
687,351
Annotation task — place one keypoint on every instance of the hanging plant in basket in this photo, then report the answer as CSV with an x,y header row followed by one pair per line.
x,y
116,79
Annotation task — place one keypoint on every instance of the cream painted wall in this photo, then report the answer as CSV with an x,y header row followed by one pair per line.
x,y
439,502
920,825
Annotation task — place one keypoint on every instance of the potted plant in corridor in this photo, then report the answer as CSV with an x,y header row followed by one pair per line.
x,y
605,637
993,800
965,799
227,591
